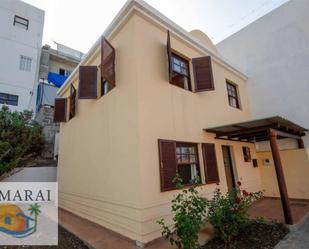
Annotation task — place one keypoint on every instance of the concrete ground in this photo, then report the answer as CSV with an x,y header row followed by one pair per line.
x,y
101,238
297,239
271,209
98,237
36,174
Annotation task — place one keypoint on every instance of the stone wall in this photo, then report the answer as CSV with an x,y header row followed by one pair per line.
x,y
45,116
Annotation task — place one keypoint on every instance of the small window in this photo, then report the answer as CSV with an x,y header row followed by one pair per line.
x,y
8,99
25,63
181,72
106,87
64,72
232,95
61,71
21,22
187,162
246,153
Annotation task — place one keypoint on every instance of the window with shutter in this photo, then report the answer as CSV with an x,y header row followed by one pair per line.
x,y
72,101
187,162
246,153
107,66
167,156
169,56
87,82
203,74
178,157
60,110
178,67
210,163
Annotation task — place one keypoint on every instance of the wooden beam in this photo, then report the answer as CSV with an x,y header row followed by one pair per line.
x,y
285,134
234,140
280,177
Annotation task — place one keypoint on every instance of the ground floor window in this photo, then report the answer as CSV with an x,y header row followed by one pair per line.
x,y
8,99
187,162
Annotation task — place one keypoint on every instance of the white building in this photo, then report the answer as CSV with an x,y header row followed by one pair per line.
x,y
274,52
21,30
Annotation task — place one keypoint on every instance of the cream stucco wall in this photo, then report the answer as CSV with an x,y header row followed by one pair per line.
x,y
170,112
109,161
295,165
98,175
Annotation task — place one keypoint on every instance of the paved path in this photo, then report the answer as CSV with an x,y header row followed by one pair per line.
x,y
98,237
298,239
35,174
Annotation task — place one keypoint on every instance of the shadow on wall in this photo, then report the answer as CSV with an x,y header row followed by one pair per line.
x,y
296,171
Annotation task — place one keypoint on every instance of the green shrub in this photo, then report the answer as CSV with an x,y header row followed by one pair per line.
x,y
20,135
228,213
189,213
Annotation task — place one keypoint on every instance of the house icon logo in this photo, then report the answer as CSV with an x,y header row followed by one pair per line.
x,y
14,221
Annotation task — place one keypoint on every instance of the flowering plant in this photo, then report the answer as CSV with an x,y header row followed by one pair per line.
x,y
228,213
189,212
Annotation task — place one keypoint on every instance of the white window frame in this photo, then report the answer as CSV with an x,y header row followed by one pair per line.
x,y
25,63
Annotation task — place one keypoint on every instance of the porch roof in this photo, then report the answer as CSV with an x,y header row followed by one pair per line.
x,y
258,130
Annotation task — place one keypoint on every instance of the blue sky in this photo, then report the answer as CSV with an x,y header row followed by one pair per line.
x,y
78,23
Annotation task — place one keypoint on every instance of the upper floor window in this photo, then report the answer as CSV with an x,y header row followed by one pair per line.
x,y
8,99
232,95
25,63
181,72
64,72
106,87
21,22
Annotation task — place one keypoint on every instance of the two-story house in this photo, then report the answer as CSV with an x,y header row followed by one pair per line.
x,y
147,102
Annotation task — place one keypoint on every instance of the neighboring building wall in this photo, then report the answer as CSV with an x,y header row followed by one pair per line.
x,y
54,59
45,116
296,171
51,61
16,42
113,164
274,52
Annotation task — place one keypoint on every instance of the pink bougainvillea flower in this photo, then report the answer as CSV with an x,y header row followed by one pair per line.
x,y
238,183
245,193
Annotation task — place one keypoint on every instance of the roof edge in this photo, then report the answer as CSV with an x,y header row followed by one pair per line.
x,y
142,6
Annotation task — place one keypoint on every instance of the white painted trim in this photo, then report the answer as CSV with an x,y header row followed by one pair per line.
x,y
145,9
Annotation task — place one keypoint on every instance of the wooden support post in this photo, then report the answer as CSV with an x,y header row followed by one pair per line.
x,y
300,143
280,177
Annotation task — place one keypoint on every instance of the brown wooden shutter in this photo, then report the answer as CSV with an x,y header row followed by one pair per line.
x,y
167,155
87,82
203,74
72,101
247,154
169,56
210,163
60,110
107,62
